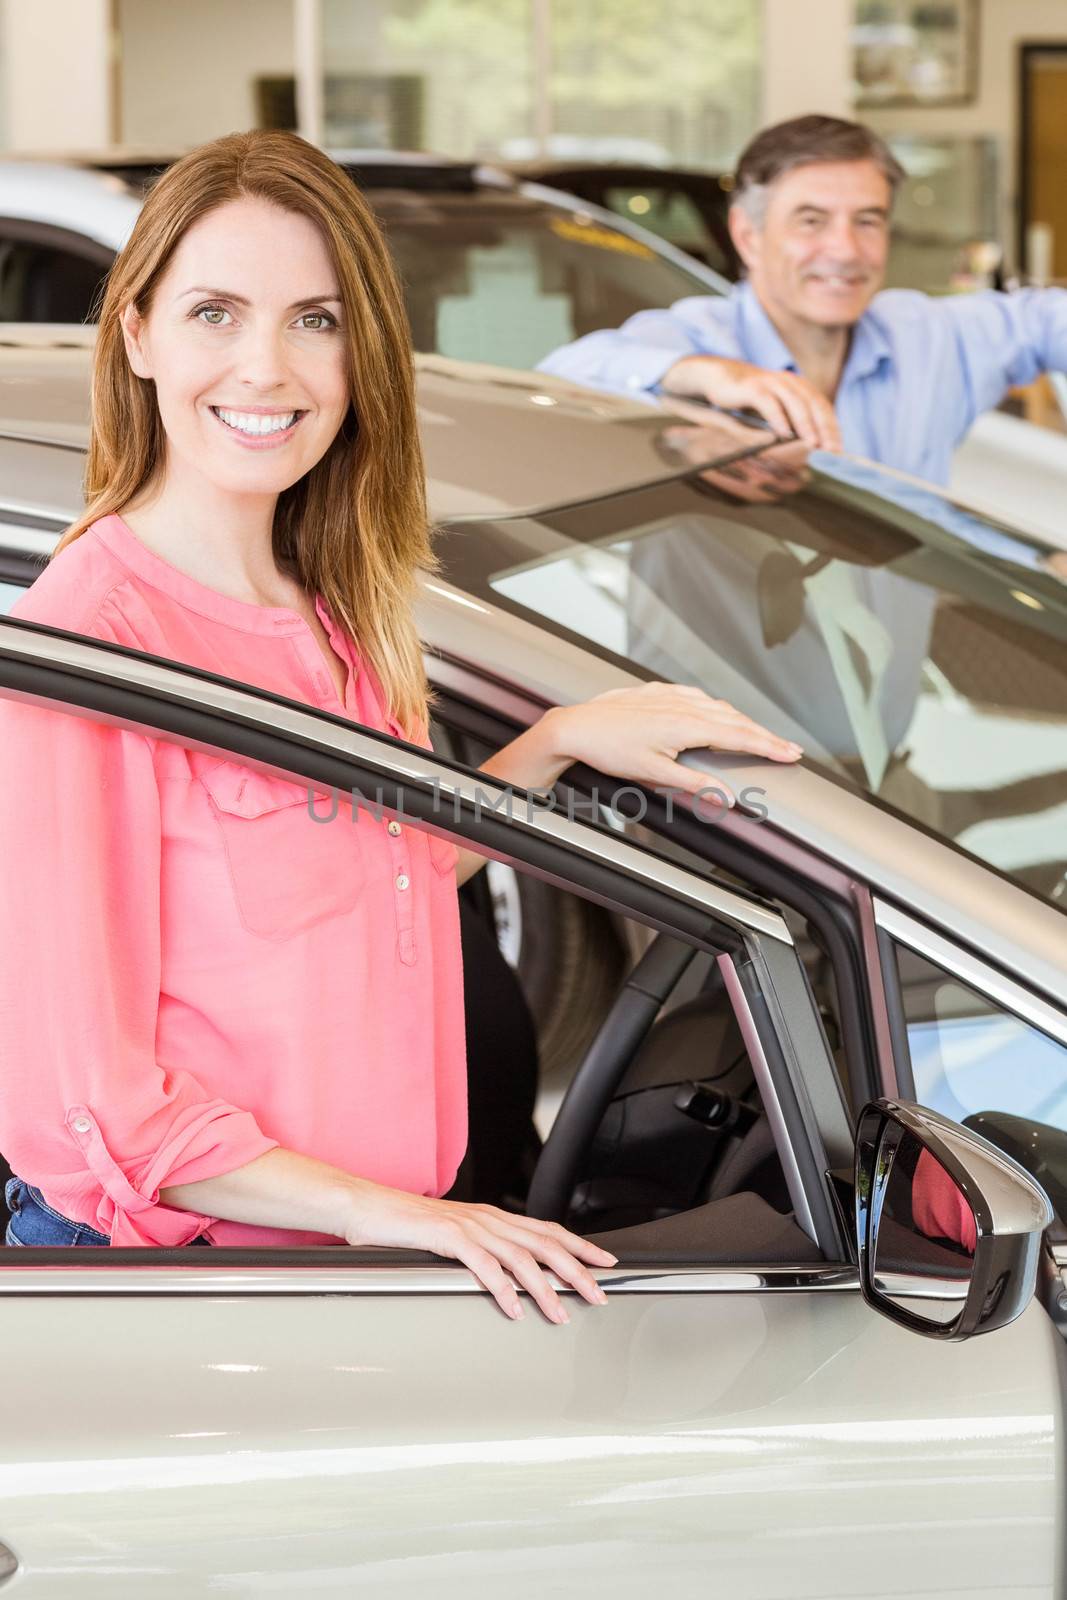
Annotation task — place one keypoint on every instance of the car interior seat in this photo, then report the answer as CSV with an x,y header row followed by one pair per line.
x,y
502,1072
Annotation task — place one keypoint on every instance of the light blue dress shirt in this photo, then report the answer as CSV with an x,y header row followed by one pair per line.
x,y
919,369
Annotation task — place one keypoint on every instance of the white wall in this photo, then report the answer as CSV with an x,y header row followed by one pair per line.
x,y
806,58
188,68
55,74
1004,25
806,68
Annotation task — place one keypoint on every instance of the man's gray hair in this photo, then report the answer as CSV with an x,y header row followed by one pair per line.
x,y
804,142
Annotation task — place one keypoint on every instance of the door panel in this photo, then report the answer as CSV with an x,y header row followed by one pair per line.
x,y
756,1445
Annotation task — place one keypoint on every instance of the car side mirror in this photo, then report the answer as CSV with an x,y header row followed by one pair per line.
x,y
948,1227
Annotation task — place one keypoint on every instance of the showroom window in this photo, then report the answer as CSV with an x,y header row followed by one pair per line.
x,y
521,79
682,78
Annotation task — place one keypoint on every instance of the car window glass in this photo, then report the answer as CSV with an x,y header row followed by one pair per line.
x,y
506,281
568,1033
670,214
40,283
968,1054
892,640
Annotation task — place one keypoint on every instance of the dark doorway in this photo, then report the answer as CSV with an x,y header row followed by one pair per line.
x,y
1043,156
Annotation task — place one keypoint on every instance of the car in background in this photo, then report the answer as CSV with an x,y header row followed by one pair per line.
x,y
493,269
686,206
60,227
355,1419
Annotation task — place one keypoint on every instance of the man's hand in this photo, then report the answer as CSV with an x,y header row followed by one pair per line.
x,y
787,401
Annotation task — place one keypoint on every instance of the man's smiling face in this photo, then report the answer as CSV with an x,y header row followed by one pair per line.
x,y
819,253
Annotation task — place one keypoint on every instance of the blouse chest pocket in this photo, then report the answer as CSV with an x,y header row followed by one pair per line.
x,y
295,856
443,854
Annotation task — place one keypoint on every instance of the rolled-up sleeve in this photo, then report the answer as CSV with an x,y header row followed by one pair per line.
x,y
87,1111
1005,340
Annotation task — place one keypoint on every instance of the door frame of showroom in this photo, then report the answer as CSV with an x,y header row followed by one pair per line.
x,y
1030,55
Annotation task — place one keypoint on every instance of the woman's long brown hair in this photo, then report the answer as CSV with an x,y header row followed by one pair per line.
x,y
354,528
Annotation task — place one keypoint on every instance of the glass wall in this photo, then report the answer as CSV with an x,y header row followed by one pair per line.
x,y
521,79
452,76
665,81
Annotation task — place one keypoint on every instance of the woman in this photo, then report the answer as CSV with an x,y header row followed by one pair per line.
x,y
236,1024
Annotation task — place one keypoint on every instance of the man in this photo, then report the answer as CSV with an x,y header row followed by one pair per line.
x,y
807,340
810,343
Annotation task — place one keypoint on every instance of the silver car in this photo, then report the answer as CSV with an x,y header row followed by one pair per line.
x,y
714,1002
493,269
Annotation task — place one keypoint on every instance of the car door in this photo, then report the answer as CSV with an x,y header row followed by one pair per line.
x,y
339,1422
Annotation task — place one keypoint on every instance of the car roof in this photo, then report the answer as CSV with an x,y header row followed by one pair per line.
x,y
132,165
497,442
100,196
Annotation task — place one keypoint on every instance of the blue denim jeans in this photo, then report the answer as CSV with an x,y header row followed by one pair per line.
x,y
33,1222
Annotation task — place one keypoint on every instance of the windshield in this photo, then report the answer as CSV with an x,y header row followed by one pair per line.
x,y
504,278
916,651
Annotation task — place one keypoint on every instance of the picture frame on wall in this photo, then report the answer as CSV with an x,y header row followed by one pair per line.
x,y
914,53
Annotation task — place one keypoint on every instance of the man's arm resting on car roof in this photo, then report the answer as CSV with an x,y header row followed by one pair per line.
x,y
688,351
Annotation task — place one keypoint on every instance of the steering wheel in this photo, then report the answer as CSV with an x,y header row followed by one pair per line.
x,y
601,1071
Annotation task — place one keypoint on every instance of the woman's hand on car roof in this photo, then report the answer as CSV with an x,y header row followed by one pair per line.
x,y
639,733
636,734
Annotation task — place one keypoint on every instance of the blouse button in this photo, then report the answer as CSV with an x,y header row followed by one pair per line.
x,y
394,828
81,1125
402,881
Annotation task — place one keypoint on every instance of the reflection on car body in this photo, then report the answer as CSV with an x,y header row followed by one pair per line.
x,y
845,622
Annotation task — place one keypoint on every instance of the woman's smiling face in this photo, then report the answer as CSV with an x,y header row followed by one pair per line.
x,y
244,342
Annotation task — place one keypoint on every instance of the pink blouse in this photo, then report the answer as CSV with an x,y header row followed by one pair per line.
x,y
192,969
